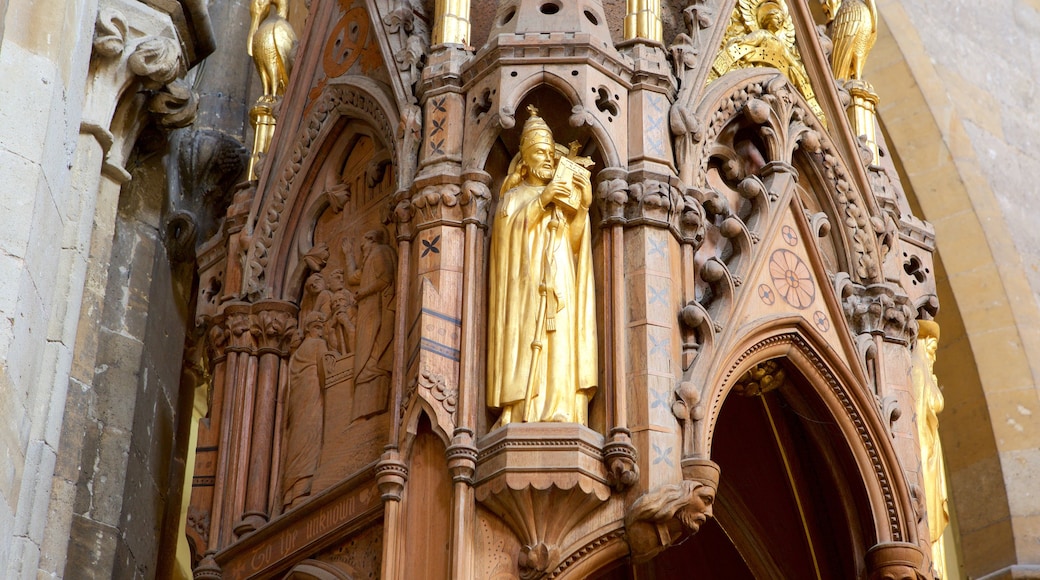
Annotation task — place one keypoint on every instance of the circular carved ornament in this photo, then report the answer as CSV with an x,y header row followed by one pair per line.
x,y
789,235
792,279
346,42
765,292
821,321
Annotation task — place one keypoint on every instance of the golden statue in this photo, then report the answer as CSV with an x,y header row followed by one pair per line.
x,y
761,34
853,31
542,349
929,403
272,44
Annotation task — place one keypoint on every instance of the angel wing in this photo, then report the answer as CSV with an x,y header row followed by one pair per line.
x,y
853,32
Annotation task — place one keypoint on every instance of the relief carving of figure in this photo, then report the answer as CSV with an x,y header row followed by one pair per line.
x,y
542,349
304,412
341,325
375,295
316,297
666,515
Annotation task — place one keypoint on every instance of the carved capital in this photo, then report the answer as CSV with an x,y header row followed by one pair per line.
x,y
437,205
668,514
217,339
897,561
878,309
612,194
391,475
239,324
462,456
475,197
653,202
620,456
274,326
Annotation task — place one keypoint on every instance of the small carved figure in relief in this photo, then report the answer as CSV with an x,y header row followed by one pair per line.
x,y
666,515
761,33
340,328
542,349
304,412
375,295
316,297
272,44
853,32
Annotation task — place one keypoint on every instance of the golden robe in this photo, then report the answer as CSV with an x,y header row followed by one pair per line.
x,y
525,254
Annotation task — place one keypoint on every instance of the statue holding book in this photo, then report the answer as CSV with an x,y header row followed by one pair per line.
x,y
542,349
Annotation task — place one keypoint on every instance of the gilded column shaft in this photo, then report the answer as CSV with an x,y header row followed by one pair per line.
x,y
643,20
452,25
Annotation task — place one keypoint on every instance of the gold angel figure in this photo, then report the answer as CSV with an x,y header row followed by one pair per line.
x,y
761,34
853,31
272,44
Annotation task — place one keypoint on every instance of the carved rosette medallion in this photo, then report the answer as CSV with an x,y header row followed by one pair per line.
x,y
792,279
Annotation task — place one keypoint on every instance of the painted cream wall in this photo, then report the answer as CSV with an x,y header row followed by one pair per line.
x,y
958,98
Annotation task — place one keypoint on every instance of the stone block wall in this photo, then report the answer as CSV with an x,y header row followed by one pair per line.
x,y
45,50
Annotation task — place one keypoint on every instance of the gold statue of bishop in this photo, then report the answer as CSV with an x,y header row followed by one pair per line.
x,y
542,349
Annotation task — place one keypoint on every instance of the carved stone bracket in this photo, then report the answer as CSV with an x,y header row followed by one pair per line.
x,y
542,479
201,176
670,513
878,309
897,561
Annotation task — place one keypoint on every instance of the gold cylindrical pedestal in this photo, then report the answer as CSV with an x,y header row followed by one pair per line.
x,y
862,113
262,117
643,20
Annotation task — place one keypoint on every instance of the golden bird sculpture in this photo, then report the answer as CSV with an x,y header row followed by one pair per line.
x,y
853,32
272,44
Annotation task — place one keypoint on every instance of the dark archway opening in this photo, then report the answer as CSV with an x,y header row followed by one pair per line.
x,y
790,502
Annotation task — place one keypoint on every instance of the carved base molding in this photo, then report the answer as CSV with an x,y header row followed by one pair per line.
x,y
291,537
542,479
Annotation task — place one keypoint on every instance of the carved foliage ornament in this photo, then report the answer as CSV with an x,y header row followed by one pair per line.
x,y
785,126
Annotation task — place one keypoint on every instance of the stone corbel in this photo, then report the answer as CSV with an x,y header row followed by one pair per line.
x,y
133,43
670,513
897,561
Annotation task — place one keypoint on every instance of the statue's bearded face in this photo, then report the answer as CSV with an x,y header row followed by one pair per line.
x,y
540,159
698,509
